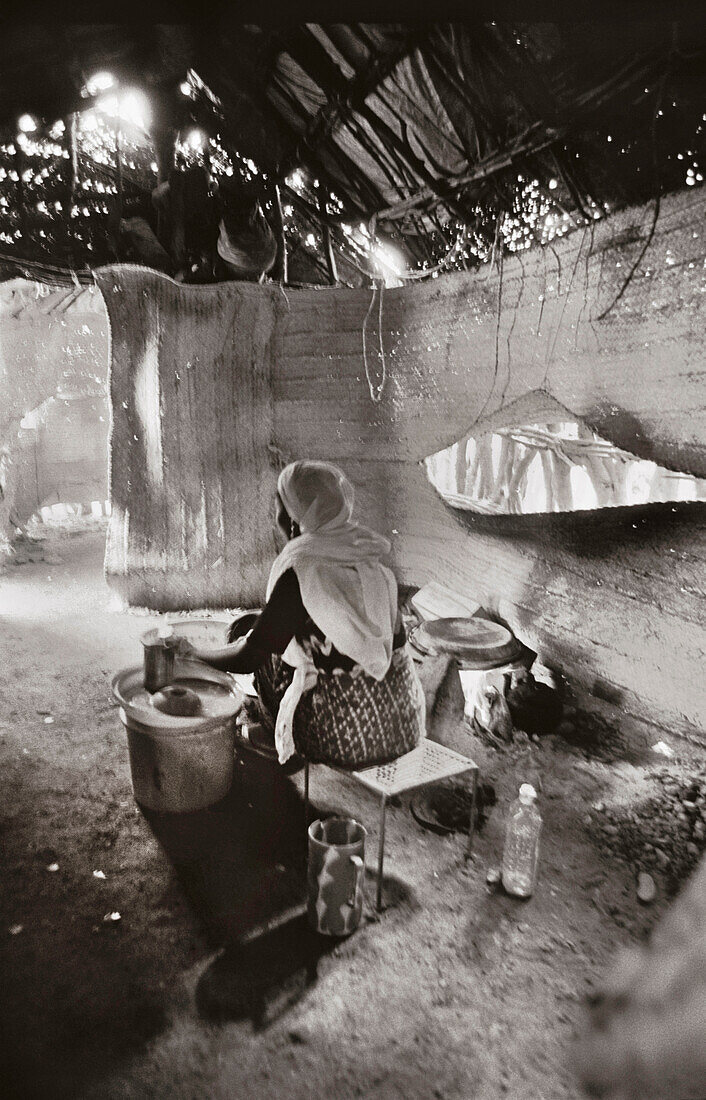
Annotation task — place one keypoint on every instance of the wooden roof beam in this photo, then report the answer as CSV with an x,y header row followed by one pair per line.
x,y
314,60
350,94
360,192
367,193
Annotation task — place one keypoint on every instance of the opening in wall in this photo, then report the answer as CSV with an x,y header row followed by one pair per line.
x,y
557,467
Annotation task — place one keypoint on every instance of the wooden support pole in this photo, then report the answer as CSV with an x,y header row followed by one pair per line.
x,y
279,271
328,245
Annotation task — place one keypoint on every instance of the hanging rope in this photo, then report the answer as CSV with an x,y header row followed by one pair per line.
x,y
498,230
376,388
657,184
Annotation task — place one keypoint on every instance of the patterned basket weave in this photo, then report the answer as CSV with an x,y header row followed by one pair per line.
x,y
349,719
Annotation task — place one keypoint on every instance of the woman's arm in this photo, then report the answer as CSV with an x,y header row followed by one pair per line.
x,y
283,616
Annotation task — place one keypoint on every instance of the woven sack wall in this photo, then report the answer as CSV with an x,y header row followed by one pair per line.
x,y
190,467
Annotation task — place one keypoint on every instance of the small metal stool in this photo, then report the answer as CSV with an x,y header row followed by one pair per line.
x,y
428,763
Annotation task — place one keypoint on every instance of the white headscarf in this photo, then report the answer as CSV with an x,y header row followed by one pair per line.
x,y
349,594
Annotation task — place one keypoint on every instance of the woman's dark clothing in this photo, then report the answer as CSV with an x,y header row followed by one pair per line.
x,y
285,617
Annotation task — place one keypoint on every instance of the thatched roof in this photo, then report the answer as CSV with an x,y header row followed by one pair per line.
x,y
422,128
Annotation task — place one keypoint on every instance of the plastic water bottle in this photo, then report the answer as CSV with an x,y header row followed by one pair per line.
x,y
521,852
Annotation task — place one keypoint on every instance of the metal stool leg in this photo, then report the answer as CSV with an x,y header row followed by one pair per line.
x,y
472,822
381,852
306,795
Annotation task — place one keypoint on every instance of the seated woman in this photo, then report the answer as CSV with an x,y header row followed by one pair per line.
x,y
332,669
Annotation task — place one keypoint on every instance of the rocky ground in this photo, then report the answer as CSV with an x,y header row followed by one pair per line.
x,y
131,960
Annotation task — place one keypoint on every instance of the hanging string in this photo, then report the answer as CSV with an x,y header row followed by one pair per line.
x,y
119,166
657,185
498,229
376,388
550,355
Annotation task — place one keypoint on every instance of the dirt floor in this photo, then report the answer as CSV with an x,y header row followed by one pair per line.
x,y
126,965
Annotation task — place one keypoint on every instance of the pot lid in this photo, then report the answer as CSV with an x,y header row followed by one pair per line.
x,y
477,642
218,697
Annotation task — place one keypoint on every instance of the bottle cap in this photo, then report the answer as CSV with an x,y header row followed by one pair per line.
x,y
527,792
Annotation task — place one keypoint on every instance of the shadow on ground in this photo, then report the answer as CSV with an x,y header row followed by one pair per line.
x,y
264,976
242,865
85,992
241,862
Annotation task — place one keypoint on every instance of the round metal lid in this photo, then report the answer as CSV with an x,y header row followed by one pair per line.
x,y
473,640
218,695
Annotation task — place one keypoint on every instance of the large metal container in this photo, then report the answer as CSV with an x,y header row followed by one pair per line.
x,y
179,762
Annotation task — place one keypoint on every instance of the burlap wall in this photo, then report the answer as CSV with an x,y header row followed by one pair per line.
x,y
192,421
